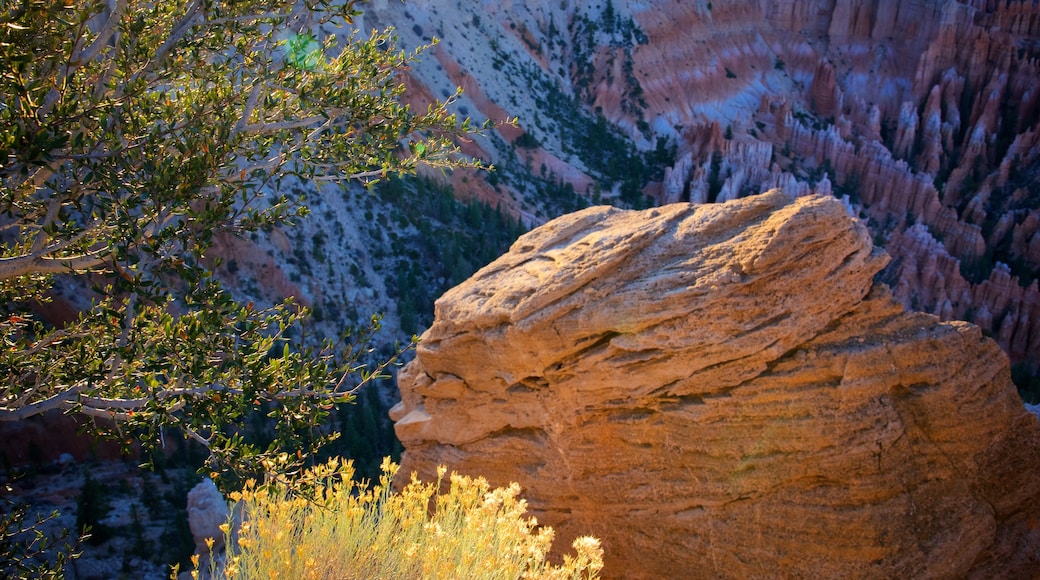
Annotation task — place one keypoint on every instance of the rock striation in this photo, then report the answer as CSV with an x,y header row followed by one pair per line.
x,y
722,391
923,113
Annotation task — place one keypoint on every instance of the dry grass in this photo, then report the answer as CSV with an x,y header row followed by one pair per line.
x,y
348,530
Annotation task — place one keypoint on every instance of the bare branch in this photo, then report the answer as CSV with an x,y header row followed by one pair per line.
x,y
104,413
42,261
65,397
313,135
33,180
196,391
194,435
91,230
101,86
116,409
249,18
251,102
32,264
52,338
52,214
359,175
268,128
69,397
60,83
104,35
108,404
41,175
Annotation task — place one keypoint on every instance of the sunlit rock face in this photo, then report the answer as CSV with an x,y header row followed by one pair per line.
x,y
722,390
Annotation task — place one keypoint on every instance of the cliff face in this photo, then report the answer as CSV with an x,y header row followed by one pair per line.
x,y
925,115
670,381
919,112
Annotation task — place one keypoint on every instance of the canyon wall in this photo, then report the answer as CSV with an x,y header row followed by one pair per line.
x,y
672,382
924,116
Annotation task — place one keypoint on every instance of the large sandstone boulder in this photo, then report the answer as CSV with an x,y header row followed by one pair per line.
x,y
721,390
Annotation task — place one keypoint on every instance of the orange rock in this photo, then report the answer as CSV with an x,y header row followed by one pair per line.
x,y
722,390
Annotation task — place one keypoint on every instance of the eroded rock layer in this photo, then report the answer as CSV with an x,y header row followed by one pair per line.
x,y
924,114
721,390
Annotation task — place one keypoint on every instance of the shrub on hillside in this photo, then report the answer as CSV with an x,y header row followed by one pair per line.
x,y
338,528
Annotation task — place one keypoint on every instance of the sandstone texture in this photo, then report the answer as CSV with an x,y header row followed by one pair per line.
x,y
723,391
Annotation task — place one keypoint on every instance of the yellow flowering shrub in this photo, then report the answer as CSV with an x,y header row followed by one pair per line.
x,y
341,529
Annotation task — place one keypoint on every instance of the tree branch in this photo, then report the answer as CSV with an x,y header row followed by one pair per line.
x,y
180,29
45,342
194,435
102,403
104,35
251,102
40,261
63,398
32,264
248,18
104,413
268,128
196,391
41,235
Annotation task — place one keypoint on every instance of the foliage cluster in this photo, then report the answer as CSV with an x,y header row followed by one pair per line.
x,y
588,33
338,528
92,506
608,155
25,550
587,138
156,500
131,132
1017,198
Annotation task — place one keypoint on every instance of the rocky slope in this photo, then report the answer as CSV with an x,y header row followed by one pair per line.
x,y
670,381
925,116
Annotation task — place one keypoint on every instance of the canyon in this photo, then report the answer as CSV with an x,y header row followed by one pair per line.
x,y
924,117
670,382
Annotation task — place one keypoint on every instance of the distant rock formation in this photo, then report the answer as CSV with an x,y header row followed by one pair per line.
x,y
722,390
207,511
924,111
